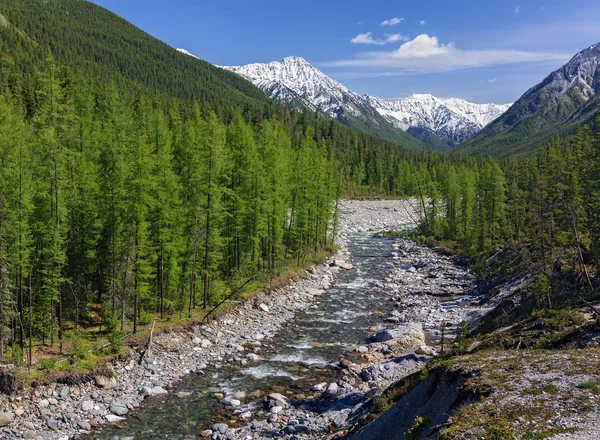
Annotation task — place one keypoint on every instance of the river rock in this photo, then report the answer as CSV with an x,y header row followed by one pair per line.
x,y
394,370
111,418
63,391
5,418
264,307
342,264
407,335
118,408
332,389
106,382
220,428
252,357
205,343
276,399
87,405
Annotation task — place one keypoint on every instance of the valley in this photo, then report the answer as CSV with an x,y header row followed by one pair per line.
x,y
197,246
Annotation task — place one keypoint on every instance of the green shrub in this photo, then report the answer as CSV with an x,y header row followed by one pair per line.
x,y
48,363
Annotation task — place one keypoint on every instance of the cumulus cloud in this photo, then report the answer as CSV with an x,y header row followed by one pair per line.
x,y
421,22
367,38
426,53
391,22
423,46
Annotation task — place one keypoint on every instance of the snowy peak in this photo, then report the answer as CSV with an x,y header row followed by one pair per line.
x,y
451,119
296,81
305,80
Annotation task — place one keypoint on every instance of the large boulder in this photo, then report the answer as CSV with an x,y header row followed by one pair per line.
x,y
409,334
387,372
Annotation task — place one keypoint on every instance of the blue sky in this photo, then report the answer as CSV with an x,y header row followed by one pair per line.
x,y
483,51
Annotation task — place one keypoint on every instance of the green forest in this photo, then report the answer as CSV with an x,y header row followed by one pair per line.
x,y
138,183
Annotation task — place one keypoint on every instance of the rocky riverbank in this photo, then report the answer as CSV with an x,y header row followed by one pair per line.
x,y
61,411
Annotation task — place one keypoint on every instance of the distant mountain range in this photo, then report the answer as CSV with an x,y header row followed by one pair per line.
x,y
567,98
441,123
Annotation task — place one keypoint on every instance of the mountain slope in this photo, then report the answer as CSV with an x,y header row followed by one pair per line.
x,y
566,98
297,82
439,123
452,120
92,40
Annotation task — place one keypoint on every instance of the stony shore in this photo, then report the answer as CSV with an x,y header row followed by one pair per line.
x,y
62,412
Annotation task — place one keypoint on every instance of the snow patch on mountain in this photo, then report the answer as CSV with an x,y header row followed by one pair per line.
x,y
185,52
451,119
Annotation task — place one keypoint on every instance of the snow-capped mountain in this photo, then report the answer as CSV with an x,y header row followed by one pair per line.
x,y
307,82
451,119
300,84
297,82
568,97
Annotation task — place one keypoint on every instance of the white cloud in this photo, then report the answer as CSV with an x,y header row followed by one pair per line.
x,y
367,38
493,80
426,54
423,46
391,22
422,22
517,10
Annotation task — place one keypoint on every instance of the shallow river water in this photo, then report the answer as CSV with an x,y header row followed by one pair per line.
x,y
302,354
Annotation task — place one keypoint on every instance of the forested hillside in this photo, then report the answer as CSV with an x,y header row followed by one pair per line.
x,y
542,211
139,182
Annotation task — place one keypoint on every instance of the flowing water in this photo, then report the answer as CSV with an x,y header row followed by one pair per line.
x,y
299,356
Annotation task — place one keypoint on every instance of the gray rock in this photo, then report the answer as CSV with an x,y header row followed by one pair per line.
x,y
84,425
394,370
63,391
407,335
264,307
87,405
332,389
5,418
118,408
220,428
276,399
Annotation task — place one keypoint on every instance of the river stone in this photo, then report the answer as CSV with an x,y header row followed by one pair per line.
x,y
252,357
5,418
205,343
63,391
87,405
407,335
118,408
106,382
19,411
206,433
343,264
394,370
264,307
276,399
84,425
110,418
220,428
332,389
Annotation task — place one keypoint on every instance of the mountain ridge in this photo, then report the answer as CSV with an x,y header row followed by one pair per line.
x,y
566,98
295,80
